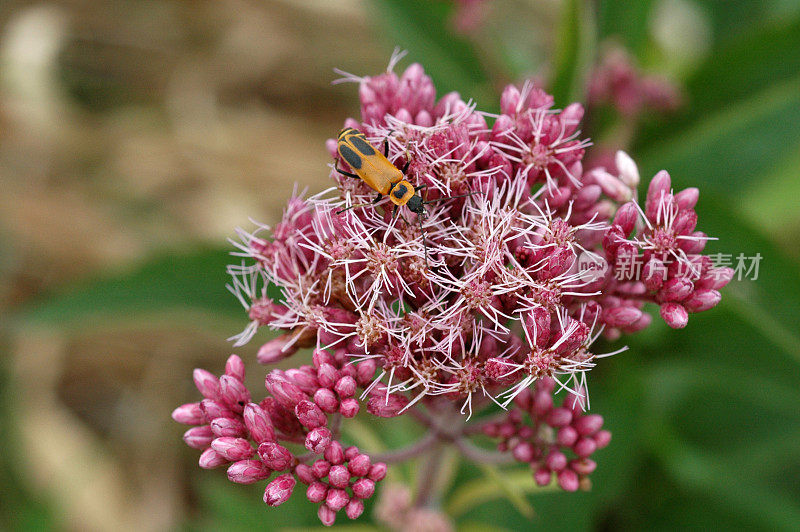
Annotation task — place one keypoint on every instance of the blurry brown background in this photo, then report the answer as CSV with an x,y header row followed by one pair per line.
x,y
127,128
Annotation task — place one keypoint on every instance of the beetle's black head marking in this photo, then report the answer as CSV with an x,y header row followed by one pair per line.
x,y
352,158
415,204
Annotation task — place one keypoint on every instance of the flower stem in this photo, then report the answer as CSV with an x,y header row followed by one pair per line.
x,y
428,478
406,453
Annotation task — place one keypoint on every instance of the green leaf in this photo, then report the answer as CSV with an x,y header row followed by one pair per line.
x,y
515,482
734,72
703,473
186,282
573,53
625,21
724,153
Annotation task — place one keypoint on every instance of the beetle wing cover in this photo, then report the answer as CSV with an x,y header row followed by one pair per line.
x,y
370,165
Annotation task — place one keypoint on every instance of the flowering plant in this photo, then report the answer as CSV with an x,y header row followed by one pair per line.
x,y
492,301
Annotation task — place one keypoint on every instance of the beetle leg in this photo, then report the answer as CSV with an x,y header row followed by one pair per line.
x,y
386,147
348,174
358,205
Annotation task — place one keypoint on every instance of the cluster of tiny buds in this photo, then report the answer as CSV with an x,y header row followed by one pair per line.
x,y
618,82
553,434
248,437
665,254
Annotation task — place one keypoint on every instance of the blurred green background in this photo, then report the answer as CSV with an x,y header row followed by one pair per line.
x,y
134,136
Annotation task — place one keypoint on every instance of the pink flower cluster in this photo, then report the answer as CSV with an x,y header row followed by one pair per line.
x,y
552,434
248,437
444,314
617,81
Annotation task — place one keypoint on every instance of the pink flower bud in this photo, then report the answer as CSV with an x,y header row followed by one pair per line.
x,y
675,315
316,492
318,440
588,425
509,100
586,197
284,392
628,172
351,452
275,350
602,438
276,457
687,198
189,414
310,414
279,490
612,187
626,217
559,417
257,422
542,403
685,222
233,393
568,480
359,465
583,466
326,400
339,476
381,407
211,459
702,300
715,278
213,409
349,407
556,461
304,473
233,449
326,515
335,453
365,371
567,436
658,189
345,387
543,476
653,274
327,375
621,316
320,468
235,368
523,452
199,437
363,488
377,472
303,379
501,371
248,471
354,509
584,447
207,383
337,499
227,426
